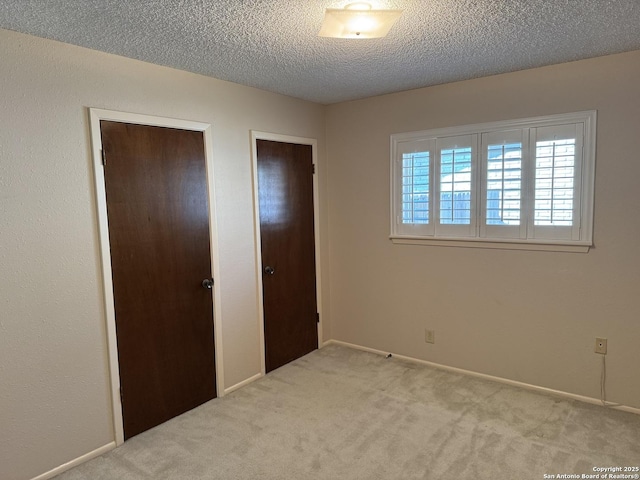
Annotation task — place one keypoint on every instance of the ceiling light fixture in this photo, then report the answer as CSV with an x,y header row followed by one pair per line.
x,y
358,20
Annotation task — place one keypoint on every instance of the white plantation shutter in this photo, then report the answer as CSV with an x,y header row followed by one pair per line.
x,y
415,187
455,187
413,206
503,189
557,178
522,181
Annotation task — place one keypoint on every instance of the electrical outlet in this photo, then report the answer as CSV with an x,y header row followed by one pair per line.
x,y
430,336
601,346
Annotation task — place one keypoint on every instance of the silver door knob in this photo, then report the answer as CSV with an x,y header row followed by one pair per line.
x,y
207,283
269,270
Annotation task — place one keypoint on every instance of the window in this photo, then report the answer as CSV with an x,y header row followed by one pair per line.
x,y
521,183
415,188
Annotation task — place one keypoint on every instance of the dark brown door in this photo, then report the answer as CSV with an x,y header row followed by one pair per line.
x,y
158,215
285,191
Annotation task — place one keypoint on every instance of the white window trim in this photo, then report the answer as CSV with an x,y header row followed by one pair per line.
x,y
400,234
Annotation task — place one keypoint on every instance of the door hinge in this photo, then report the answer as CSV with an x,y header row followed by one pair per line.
x,y
104,158
313,168
317,317
121,397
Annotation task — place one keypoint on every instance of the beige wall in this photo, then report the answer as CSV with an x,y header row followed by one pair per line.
x,y
54,398
526,316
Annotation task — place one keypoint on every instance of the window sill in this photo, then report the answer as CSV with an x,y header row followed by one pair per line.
x,y
492,244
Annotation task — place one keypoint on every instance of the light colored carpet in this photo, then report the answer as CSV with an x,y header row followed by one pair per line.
x,y
345,414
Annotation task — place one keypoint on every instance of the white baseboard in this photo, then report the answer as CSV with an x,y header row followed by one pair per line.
x,y
559,393
249,380
514,383
77,461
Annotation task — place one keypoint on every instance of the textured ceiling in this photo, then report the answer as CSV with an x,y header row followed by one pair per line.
x,y
273,44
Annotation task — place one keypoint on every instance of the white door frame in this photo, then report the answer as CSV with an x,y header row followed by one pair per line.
x,y
95,115
255,136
